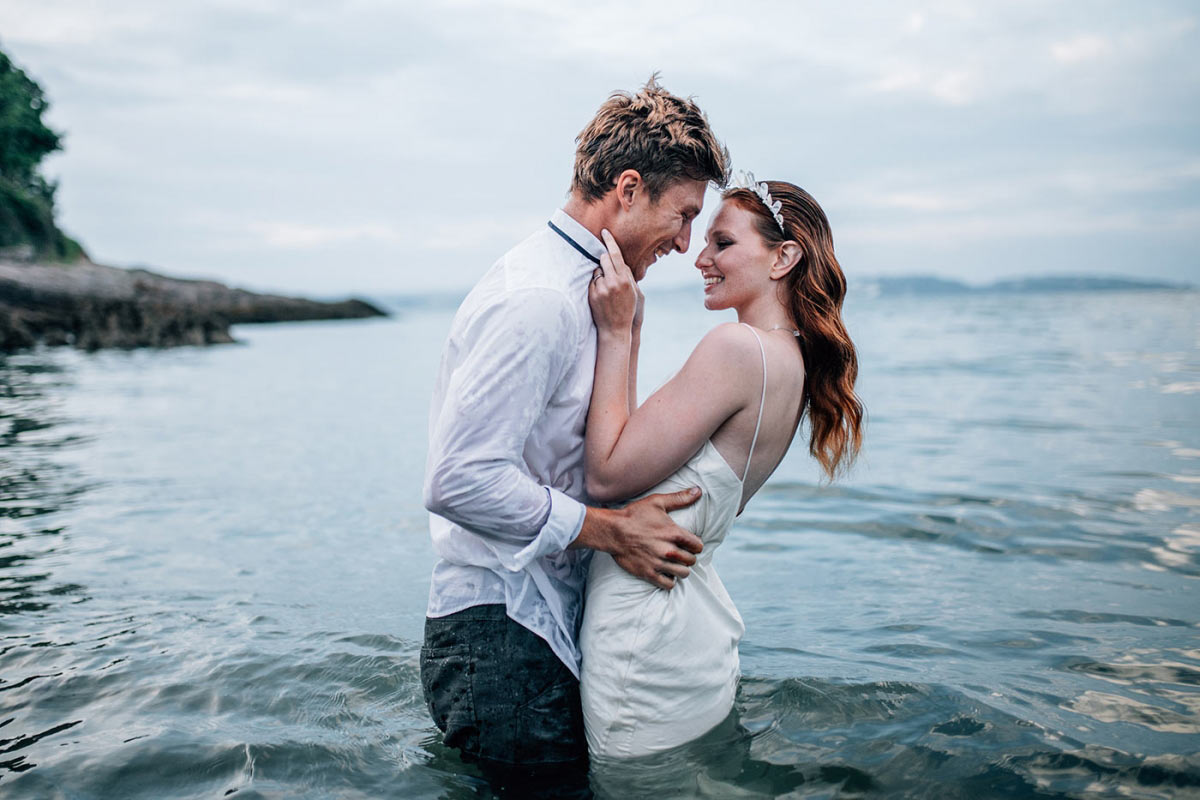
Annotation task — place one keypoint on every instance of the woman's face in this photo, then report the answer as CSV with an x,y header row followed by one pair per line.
x,y
735,262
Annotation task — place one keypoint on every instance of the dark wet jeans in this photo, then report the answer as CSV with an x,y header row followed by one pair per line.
x,y
506,702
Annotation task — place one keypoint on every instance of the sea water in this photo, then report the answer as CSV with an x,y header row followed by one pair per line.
x,y
214,565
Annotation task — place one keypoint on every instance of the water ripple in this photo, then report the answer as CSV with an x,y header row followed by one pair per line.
x,y
1068,525
213,568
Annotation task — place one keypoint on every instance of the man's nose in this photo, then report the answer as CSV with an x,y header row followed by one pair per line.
x,y
683,238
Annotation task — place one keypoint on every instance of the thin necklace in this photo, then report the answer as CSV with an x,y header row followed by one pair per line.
x,y
792,331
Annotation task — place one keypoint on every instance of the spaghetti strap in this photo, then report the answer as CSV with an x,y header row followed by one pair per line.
x,y
761,401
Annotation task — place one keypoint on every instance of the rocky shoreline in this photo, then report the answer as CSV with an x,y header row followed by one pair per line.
x,y
91,306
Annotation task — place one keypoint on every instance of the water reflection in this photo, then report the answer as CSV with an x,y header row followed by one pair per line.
x,y
32,427
1107,707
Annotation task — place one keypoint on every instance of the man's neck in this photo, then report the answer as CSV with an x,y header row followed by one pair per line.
x,y
594,215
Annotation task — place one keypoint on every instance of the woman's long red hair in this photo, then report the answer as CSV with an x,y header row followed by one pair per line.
x,y
813,293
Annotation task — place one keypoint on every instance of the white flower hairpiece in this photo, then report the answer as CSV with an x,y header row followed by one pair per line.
x,y
745,180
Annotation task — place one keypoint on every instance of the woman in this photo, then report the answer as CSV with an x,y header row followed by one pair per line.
x,y
660,663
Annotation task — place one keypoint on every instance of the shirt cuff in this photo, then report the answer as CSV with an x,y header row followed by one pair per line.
x,y
560,529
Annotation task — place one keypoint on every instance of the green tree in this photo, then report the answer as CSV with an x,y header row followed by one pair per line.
x,y
26,197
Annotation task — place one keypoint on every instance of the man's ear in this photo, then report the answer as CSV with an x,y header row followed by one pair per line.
x,y
629,184
786,259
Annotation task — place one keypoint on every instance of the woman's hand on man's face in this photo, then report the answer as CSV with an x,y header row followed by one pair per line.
x,y
614,295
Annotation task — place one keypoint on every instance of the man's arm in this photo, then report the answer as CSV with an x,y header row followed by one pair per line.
x,y
509,361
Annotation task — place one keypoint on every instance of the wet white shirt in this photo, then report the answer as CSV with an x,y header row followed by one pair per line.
x,y
504,477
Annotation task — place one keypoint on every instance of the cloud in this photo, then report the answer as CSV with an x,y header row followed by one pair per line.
x,y
915,22
463,232
260,137
953,87
1020,224
1086,47
912,201
1085,181
291,235
62,23
477,231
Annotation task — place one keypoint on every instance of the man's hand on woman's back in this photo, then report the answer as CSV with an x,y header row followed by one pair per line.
x,y
643,539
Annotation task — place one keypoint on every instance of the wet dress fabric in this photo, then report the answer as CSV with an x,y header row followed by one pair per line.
x,y
660,667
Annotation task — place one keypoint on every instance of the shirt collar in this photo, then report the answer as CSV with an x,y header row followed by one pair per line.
x,y
579,235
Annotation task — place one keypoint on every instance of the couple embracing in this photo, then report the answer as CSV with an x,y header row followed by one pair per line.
x,y
574,607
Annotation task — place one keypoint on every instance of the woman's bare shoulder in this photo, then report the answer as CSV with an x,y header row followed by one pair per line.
x,y
729,354
729,339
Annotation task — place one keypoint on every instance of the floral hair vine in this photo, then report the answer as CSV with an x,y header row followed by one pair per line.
x,y
745,180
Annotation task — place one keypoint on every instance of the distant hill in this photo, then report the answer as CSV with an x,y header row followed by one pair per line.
x,y
1078,283
929,285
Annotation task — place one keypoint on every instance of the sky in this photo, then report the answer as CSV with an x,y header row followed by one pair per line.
x,y
376,146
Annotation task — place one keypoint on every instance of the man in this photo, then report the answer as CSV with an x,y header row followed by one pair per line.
x,y
504,479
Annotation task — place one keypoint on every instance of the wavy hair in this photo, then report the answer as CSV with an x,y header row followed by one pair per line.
x,y
813,293
663,137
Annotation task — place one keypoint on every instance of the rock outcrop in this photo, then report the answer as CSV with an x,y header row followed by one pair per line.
x,y
91,306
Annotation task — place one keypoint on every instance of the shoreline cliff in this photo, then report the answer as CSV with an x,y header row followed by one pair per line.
x,y
91,306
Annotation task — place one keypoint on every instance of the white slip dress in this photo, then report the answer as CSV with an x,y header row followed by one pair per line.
x,y
660,667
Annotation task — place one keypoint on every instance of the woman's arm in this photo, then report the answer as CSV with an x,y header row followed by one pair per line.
x,y
612,295
635,344
629,450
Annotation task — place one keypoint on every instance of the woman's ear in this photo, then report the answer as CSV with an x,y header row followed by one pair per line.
x,y
788,257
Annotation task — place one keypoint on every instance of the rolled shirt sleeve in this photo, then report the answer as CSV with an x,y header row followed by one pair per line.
x,y
507,359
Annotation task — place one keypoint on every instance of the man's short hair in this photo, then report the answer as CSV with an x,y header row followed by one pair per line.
x,y
664,137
